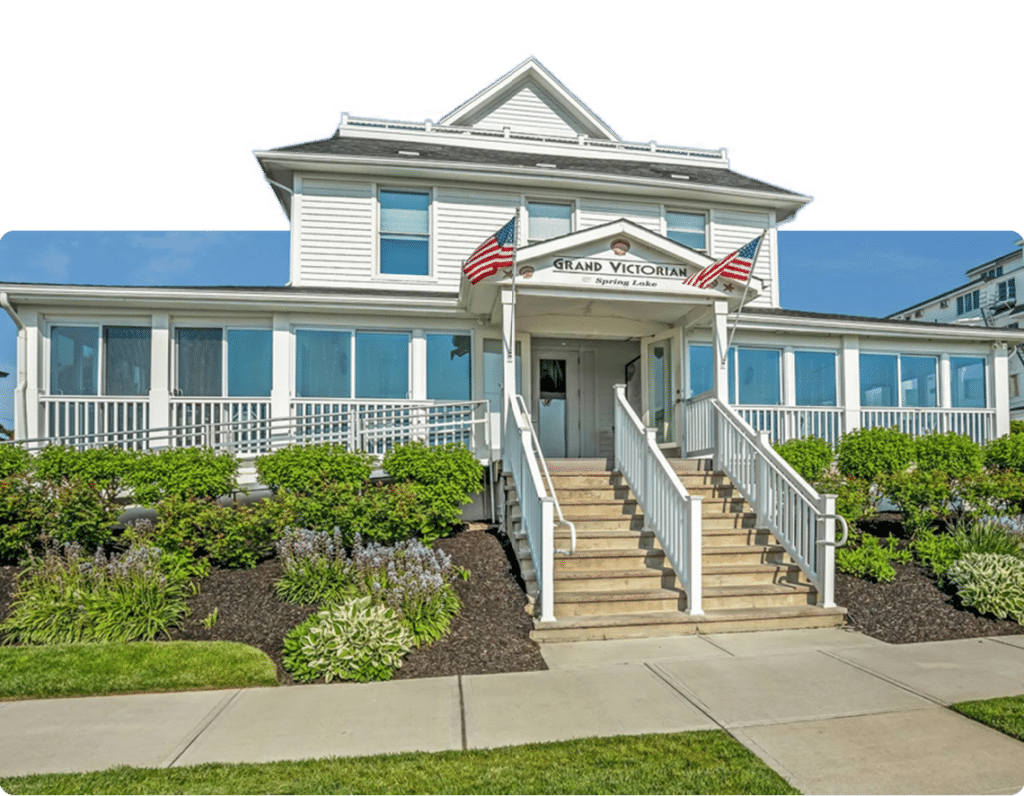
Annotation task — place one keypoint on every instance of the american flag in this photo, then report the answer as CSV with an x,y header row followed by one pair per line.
x,y
737,265
494,253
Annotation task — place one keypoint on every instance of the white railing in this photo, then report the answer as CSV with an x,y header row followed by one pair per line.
x,y
795,422
801,520
116,421
669,510
536,507
699,425
978,424
242,426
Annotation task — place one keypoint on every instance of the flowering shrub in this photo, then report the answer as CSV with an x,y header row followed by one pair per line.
x,y
316,568
991,583
64,597
359,640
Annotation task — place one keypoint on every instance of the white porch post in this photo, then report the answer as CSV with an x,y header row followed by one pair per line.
x,y
721,340
1001,388
827,552
281,384
159,374
26,392
945,395
850,366
509,348
789,422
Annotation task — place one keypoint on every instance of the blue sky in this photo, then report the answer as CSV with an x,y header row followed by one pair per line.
x,y
881,272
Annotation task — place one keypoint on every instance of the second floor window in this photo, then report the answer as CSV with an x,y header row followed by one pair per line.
x,y
548,221
404,233
1008,289
688,229
968,302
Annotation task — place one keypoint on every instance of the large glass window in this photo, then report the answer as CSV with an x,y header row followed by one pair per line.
x,y
404,233
701,364
74,360
199,362
448,371
494,369
918,381
915,376
815,373
382,365
967,382
548,220
754,376
322,368
250,358
878,379
688,229
128,360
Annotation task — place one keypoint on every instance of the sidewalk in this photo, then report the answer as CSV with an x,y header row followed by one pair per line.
x,y
832,711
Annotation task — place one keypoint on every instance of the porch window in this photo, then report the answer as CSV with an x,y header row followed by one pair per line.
x,y
322,368
701,361
815,373
74,360
200,367
967,382
915,376
448,367
548,221
250,354
758,376
128,362
382,365
404,233
918,381
201,362
688,229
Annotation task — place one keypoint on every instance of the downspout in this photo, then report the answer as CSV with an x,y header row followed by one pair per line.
x,y
20,418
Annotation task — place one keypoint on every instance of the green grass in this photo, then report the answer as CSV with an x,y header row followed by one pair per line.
x,y
693,762
65,670
1005,714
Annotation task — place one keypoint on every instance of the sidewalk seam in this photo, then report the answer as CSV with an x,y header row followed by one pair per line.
x,y
692,699
190,739
886,679
1000,640
462,714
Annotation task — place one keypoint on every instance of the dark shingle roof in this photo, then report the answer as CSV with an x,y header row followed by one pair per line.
x,y
838,317
376,148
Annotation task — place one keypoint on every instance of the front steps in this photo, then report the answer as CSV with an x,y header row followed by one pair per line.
x,y
618,584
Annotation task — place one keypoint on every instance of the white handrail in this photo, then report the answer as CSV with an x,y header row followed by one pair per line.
x,y
669,510
539,454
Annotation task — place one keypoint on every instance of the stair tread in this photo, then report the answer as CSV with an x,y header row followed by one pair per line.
x,y
756,588
611,574
617,596
681,617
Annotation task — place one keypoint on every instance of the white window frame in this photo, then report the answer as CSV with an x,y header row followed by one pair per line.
x,y
101,352
837,366
431,194
541,200
899,376
733,354
666,209
224,328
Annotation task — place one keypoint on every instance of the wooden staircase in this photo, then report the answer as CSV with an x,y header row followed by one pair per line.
x,y
618,584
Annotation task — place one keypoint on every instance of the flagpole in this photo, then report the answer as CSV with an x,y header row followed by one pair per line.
x,y
510,354
743,298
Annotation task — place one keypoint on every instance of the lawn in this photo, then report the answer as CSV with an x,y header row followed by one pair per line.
x,y
67,670
693,762
1005,714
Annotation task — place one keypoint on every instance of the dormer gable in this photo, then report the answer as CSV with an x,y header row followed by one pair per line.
x,y
529,99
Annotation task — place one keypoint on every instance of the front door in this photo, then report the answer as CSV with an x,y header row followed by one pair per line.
x,y
661,384
557,408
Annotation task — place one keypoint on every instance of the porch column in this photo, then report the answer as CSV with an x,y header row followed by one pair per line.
x,y
418,355
33,423
1000,388
790,427
508,372
945,395
159,374
850,361
280,384
721,340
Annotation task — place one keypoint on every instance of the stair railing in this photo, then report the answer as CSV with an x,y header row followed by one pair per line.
x,y
802,520
669,510
539,454
536,508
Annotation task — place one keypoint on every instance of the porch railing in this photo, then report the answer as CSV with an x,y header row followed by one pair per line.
x,y
978,424
114,421
794,422
669,510
536,507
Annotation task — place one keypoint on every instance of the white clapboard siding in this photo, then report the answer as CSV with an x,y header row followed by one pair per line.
x,y
731,229
464,219
335,232
528,111
593,212
988,295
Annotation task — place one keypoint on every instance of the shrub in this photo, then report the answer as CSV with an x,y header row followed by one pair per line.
x,y
316,569
1017,426
443,477
184,473
991,493
924,497
810,456
390,513
855,498
65,597
239,537
301,469
867,557
14,460
870,452
358,640
990,583
951,453
1006,453
109,469
75,510
333,506
937,551
20,513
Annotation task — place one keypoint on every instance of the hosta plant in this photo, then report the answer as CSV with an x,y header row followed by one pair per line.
x,y
359,640
991,583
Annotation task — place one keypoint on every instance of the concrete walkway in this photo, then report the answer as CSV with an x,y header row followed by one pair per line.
x,y
832,711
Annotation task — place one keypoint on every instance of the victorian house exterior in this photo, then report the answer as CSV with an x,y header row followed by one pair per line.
x,y
621,373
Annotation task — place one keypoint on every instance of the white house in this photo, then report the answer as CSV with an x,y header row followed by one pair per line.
x,y
989,299
378,338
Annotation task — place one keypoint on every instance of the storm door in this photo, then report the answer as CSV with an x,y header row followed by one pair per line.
x,y
660,355
556,414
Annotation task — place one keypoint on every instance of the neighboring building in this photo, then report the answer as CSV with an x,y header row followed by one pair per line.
x,y
988,299
378,337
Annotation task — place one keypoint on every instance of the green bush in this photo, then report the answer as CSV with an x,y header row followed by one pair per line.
x,y
21,511
390,513
855,500
1017,426
990,583
444,477
301,469
924,497
810,456
990,493
65,597
76,510
315,567
185,473
865,556
988,537
332,506
14,460
951,453
1005,453
870,452
937,551
358,640
109,469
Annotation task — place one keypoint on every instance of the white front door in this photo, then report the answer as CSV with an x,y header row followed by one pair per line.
x,y
660,358
557,402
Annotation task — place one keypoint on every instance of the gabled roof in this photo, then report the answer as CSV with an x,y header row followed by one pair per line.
x,y
531,79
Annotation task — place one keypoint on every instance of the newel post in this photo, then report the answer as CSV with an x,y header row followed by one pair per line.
x,y
693,556
547,548
761,496
827,553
